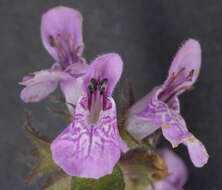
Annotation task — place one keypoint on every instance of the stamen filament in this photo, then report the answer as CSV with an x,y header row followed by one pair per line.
x,y
188,78
70,42
60,52
172,85
171,80
65,49
173,76
178,90
97,94
95,107
89,101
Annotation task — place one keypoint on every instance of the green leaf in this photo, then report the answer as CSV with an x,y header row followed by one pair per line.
x,y
113,181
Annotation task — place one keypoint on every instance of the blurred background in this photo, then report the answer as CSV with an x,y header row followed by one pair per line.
x,y
147,35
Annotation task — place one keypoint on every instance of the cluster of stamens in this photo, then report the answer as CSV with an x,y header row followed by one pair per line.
x,y
100,85
173,88
66,52
97,93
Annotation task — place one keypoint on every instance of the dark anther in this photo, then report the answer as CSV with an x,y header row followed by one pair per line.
x,y
190,75
102,91
51,41
92,86
94,83
102,86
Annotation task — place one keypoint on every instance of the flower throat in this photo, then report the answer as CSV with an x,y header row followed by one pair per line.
x,y
97,98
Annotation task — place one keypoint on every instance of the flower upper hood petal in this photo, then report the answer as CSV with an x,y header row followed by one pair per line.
x,y
108,66
185,67
65,23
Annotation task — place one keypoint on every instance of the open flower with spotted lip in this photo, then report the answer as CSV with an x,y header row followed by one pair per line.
x,y
61,31
90,146
177,172
160,108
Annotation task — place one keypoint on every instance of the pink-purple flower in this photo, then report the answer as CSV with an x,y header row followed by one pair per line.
x,y
160,108
177,172
61,32
90,146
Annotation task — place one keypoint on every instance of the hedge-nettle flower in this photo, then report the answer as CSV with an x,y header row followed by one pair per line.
x,y
90,146
177,172
61,32
160,108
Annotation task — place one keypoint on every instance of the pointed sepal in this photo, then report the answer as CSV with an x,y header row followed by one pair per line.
x,y
41,152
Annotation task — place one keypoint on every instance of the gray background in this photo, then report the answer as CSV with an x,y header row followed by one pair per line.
x,y
147,34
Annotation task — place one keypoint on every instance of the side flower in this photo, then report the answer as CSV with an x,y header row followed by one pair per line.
x,y
90,146
160,108
61,31
177,172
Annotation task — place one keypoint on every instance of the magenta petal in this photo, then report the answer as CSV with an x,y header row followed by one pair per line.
x,y
140,127
189,58
163,185
142,118
197,151
87,149
38,91
78,69
150,113
174,104
65,22
141,105
41,84
177,172
107,66
174,129
45,76
56,67
26,78
72,90
176,168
